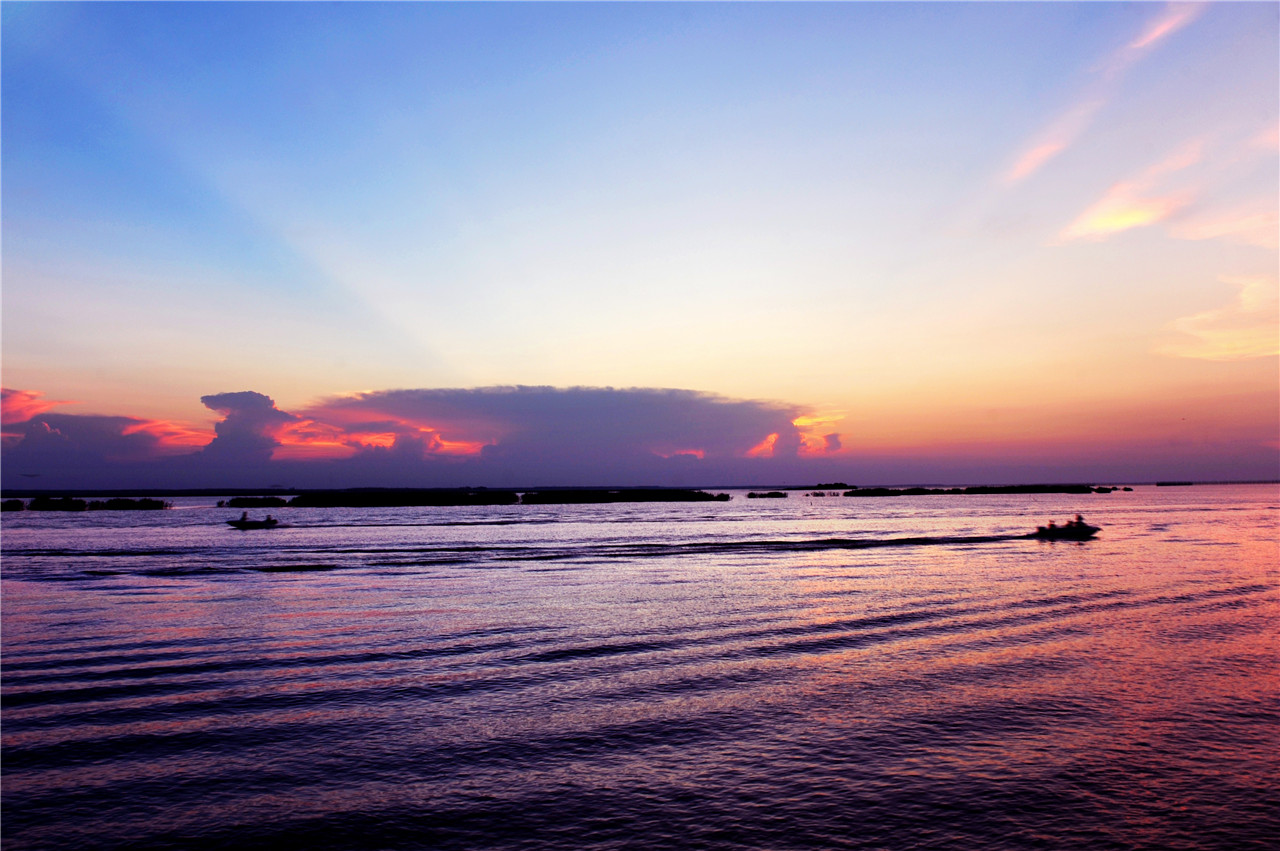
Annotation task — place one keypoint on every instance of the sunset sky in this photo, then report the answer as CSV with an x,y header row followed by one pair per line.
x,y
669,243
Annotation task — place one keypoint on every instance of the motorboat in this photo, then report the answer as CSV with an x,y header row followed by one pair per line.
x,y
245,523
1073,530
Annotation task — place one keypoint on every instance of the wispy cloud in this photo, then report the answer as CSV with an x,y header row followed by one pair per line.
x,y
1254,224
1174,17
1267,139
1072,122
1144,200
1055,139
1248,327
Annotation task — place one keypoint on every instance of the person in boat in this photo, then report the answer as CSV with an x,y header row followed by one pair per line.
x,y
269,520
244,516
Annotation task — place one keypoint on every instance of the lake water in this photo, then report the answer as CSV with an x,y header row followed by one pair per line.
x,y
707,675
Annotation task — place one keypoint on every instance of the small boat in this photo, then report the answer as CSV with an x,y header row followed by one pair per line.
x,y
244,523
1071,531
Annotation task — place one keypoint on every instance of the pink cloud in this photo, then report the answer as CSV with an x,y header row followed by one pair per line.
x,y
171,436
19,406
1175,17
1055,139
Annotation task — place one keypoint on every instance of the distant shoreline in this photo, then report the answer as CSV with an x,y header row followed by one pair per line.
x,y
426,497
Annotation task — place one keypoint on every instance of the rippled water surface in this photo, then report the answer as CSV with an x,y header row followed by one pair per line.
x,y
718,675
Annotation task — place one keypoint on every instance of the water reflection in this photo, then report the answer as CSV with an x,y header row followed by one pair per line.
x,y
1001,695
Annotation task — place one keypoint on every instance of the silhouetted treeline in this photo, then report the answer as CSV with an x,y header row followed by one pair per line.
x,y
122,504
979,489
254,502
591,497
67,503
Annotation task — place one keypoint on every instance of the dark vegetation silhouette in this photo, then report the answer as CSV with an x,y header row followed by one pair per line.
x,y
67,503
980,490
254,502
122,504
585,497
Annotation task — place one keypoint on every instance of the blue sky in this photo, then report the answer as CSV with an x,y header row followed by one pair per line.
x,y
937,228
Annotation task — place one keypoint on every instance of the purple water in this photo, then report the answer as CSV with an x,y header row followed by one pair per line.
x,y
635,676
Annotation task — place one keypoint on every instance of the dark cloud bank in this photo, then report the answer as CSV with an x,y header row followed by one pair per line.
x,y
524,437
497,437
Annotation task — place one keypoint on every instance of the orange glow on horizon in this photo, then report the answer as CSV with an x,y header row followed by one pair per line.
x,y
1063,433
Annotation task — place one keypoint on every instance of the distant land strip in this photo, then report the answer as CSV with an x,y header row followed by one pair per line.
x,y
826,489
438,497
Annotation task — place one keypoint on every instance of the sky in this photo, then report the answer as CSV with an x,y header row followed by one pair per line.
x,y
410,244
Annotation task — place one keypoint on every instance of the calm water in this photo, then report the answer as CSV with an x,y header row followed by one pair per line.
x,y
633,676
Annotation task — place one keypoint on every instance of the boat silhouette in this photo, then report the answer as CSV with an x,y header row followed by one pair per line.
x,y
1072,530
246,523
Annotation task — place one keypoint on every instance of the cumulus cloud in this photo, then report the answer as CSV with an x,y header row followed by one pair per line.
x,y
569,424
53,449
250,425
500,436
